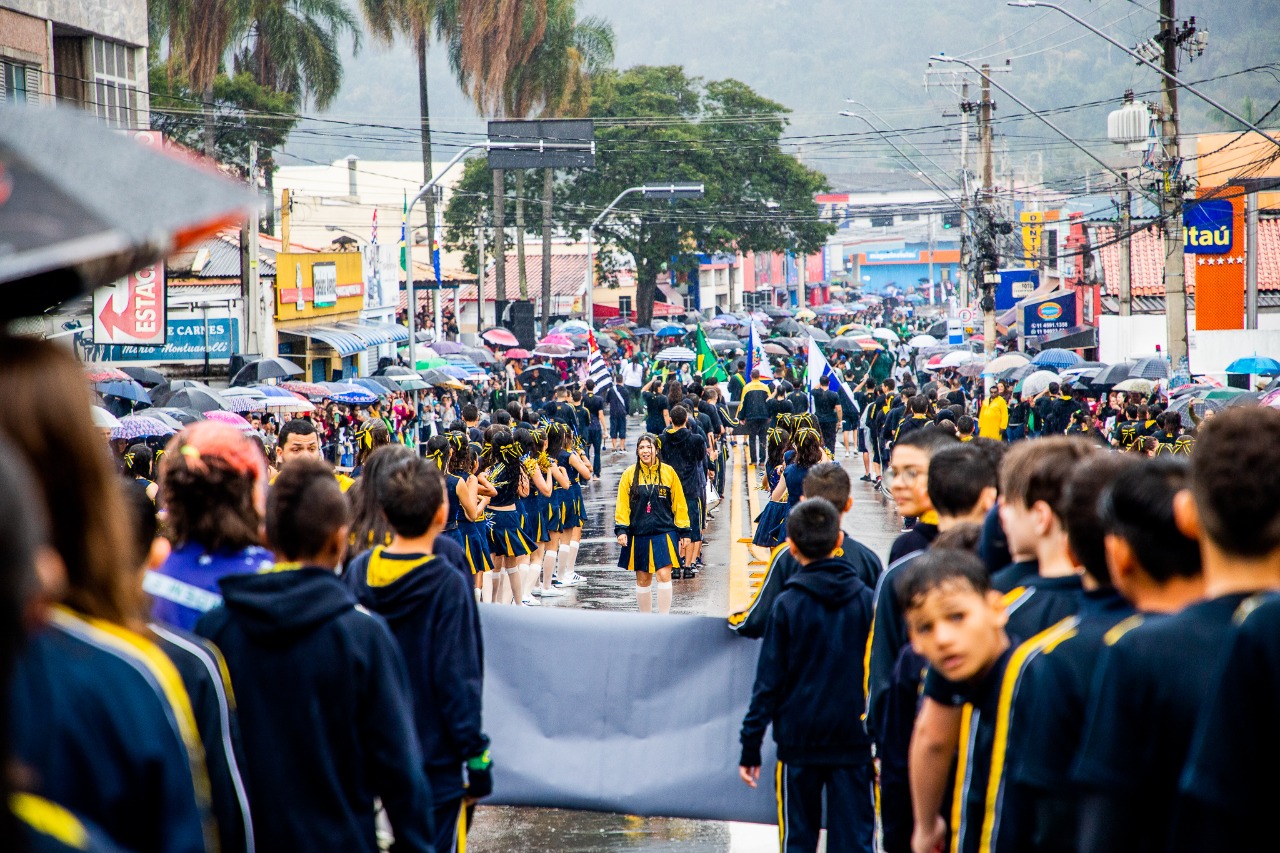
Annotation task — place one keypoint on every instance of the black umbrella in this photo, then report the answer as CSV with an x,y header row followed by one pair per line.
x,y
86,205
147,376
539,374
1112,375
181,416
196,399
264,369
788,327
395,370
480,355
437,377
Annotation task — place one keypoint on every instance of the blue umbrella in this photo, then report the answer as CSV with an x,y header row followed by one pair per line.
x,y
371,385
127,389
671,331
1258,365
353,398
641,331
1056,359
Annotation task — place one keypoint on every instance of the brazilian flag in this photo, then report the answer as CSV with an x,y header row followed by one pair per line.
x,y
708,366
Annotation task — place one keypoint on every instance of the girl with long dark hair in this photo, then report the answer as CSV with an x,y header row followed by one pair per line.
x,y
652,522
807,442
533,519
577,471
465,520
772,522
139,467
507,542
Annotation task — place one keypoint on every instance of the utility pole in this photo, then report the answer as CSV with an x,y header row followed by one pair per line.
x,y
253,290
1126,245
966,228
986,270
1175,289
479,279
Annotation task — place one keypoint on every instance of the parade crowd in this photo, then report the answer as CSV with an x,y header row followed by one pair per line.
x,y
226,643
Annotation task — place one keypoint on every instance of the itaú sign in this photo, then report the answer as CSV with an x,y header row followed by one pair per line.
x,y
1207,227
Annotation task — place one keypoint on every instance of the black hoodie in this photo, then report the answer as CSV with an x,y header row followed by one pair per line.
x,y
325,713
686,453
432,612
809,680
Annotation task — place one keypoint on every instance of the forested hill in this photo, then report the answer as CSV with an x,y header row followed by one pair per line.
x,y
812,54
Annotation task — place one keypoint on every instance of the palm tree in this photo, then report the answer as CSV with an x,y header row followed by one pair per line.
x,y
198,35
292,46
556,83
417,20
488,43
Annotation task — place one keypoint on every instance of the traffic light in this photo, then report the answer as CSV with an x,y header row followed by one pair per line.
x,y
950,220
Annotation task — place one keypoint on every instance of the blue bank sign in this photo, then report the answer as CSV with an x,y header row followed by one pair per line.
x,y
1207,227
186,342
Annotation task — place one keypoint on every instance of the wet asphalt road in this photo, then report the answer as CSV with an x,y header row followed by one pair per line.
x,y
872,520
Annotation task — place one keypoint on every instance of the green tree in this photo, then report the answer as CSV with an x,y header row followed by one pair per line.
x,y
243,111
657,124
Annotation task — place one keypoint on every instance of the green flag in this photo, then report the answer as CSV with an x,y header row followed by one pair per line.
x,y
708,366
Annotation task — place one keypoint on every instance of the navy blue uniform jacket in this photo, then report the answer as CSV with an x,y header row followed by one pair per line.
x,y
432,612
751,622
809,676
325,714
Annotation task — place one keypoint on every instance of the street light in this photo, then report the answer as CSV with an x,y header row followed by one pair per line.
x,y
352,234
667,191
1173,78
920,173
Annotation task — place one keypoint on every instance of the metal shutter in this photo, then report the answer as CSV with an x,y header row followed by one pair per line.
x,y
33,84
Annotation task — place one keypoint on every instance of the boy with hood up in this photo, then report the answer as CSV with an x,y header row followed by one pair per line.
x,y
432,612
810,688
326,715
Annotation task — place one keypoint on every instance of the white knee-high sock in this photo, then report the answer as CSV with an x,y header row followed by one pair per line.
x,y
501,589
645,596
548,566
523,568
486,587
664,596
573,557
566,571
513,580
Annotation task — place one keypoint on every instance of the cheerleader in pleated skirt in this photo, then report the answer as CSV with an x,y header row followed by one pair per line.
x,y
508,543
561,447
467,506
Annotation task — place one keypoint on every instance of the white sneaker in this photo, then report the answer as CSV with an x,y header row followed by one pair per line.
x,y
553,593
537,590
531,602
573,580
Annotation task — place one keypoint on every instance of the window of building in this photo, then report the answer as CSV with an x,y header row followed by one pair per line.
x,y
624,306
115,91
882,222
910,217
21,82
1051,248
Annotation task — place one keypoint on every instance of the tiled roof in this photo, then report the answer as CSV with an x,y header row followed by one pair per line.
x,y
568,275
1147,260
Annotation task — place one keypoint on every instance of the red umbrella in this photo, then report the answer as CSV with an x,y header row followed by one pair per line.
x,y
500,337
557,338
517,353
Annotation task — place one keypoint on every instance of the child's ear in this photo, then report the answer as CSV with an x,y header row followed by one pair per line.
x,y
791,547
158,553
995,600
1120,558
441,517
1186,515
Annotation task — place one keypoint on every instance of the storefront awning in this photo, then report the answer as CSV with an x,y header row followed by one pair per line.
x,y
1077,337
343,341
604,312
375,334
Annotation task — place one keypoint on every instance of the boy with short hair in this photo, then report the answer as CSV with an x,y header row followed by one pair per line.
x,y
809,688
318,680
960,487
433,615
964,428
1155,678
1119,516
956,621
830,481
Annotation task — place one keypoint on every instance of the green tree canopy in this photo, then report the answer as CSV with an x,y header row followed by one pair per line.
x,y
658,125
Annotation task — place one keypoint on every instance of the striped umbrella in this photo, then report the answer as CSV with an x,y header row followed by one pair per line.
x,y
141,426
675,354
1056,359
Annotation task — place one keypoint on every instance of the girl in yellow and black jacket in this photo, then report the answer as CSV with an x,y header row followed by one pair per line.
x,y
652,523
